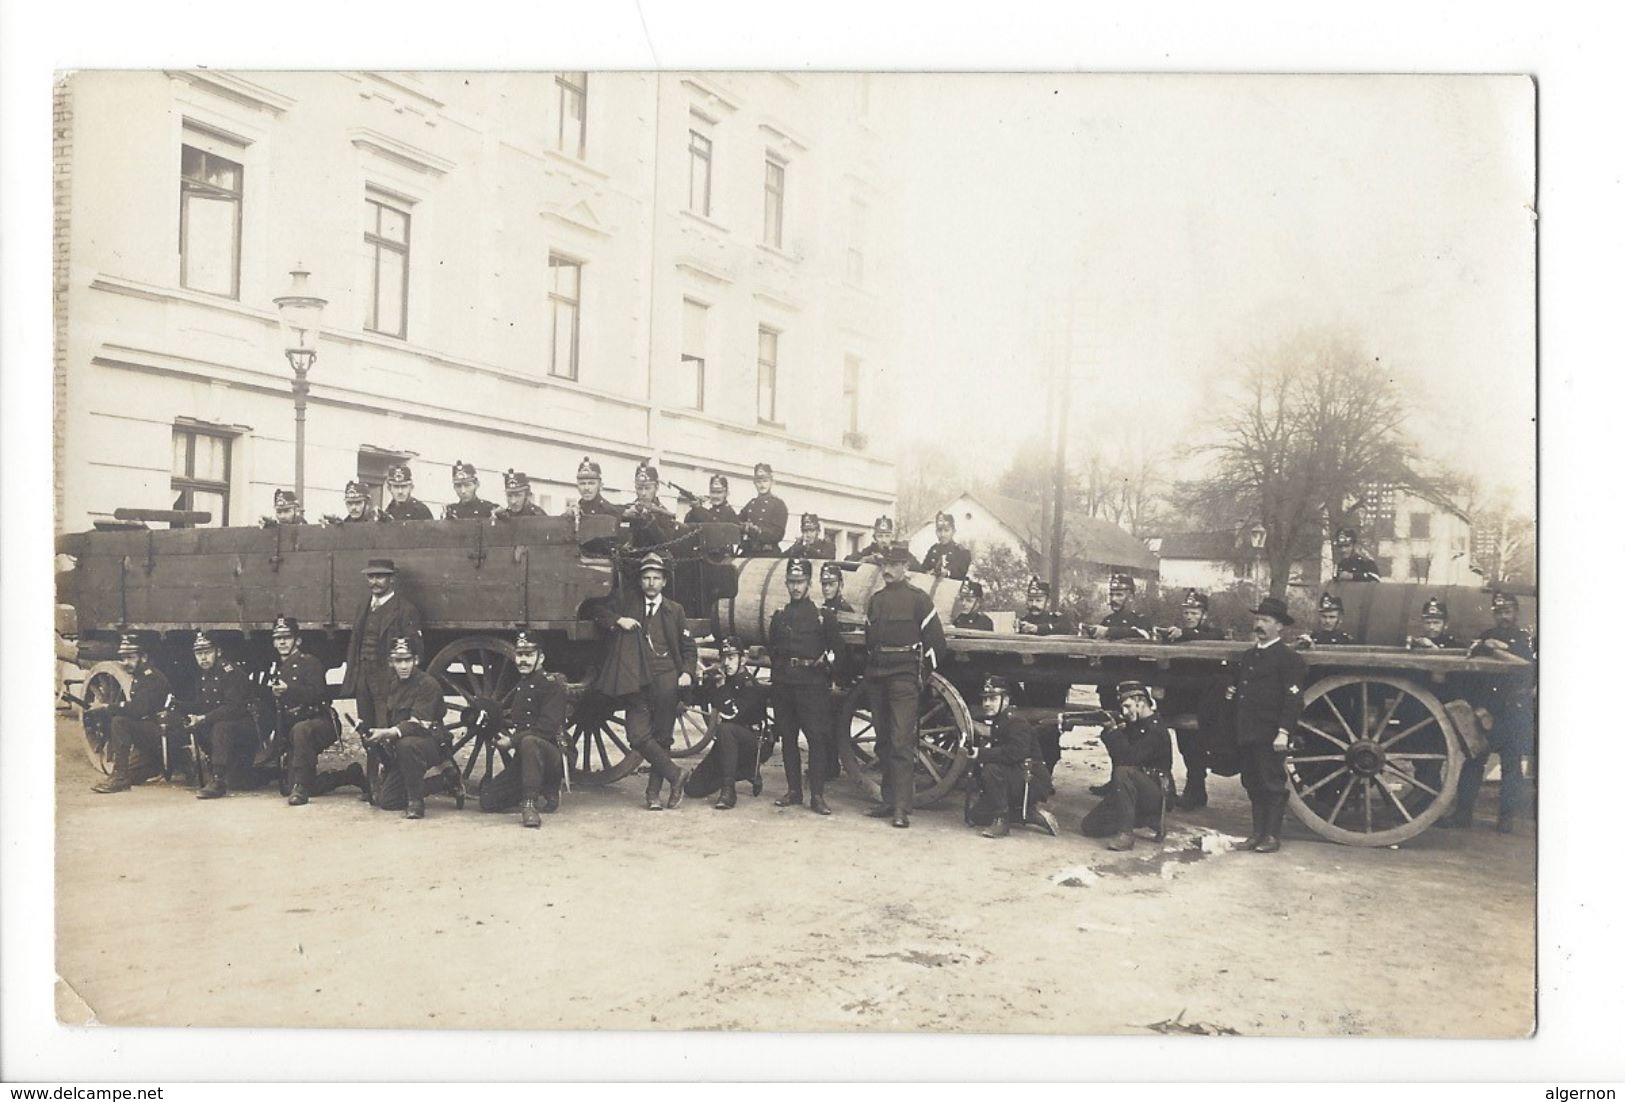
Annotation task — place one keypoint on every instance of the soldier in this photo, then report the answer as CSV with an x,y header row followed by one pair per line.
x,y
590,485
1006,773
384,614
465,481
1268,691
1352,565
829,582
813,544
656,626
971,617
285,504
1330,632
1123,621
358,506
649,523
1191,699
1039,619
402,505
516,485
741,708
885,533
218,718
764,516
1436,634
414,718
803,641
535,735
135,738
1141,763
945,558
1505,713
299,685
905,640
715,509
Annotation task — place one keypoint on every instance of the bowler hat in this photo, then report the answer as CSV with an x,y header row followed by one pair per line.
x,y
379,566
1275,608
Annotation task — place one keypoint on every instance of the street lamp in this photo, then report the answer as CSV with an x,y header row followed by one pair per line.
x,y
1256,536
300,315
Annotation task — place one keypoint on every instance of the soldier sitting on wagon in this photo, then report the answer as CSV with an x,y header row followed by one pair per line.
x,y
1141,762
649,523
764,517
1123,621
1353,565
136,734
742,741
516,485
1040,619
715,509
1330,633
218,720
880,545
1008,780
945,558
299,686
285,504
414,735
590,487
1436,634
971,617
536,716
357,505
465,483
813,544
402,505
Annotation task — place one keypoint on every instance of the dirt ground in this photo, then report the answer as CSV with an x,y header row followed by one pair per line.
x,y
246,912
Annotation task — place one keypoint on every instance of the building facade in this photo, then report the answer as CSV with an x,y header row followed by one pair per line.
x,y
521,269
1414,539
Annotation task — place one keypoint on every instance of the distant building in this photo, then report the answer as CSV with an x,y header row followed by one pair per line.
x,y
984,520
1414,539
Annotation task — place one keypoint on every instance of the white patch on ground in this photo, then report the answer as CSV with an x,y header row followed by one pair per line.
x,y
1078,876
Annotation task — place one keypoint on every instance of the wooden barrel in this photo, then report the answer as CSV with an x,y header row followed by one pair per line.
x,y
762,593
1383,614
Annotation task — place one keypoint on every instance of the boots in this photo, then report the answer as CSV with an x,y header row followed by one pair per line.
x,y
677,786
1195,792
789,799
651,794
550,802
1274,812
298,797
727,798
1259,828
880,811
414,810
215,789
1043,820
998,828
818,806
529,816
118,782
1123,841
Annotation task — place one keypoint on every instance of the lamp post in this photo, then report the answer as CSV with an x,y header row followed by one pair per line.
x,y
300,315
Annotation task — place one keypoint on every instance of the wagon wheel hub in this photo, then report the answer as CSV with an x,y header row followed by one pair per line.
x,y
484,716
1366,758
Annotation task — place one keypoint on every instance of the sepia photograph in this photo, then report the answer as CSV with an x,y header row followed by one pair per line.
x,y
795,552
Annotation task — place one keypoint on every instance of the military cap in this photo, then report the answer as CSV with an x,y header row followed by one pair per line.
x,y
731,645
284,625
1434,607
1126,689
884,524
719,482
829,572
945,517
399,474
515,480
589,469
285,499
646,472
1037,587
1330,603
996,684
355,490
809,522
896,553
1121,583
379,566
130,643
402,647
798,570
523,643
761,469
971,589
1499,599
654,560
203,642
1275,608
1194,599
1347,535
463,472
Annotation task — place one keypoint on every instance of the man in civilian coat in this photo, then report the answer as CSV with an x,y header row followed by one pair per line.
x,y
1268,692
383,615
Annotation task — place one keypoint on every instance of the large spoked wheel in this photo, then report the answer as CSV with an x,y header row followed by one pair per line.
x,y
694,730
939,755
1376,761
479,676
106,683
598,751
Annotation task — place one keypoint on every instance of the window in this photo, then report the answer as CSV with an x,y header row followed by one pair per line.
x,y
699,173
773,204
1419,568
572,114
859,218
200,472
1385,566
388,249
565,296
693,355
767,375
1421,526
1383,526
211,216
849,393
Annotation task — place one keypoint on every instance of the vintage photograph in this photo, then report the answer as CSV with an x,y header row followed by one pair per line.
x,y
798,552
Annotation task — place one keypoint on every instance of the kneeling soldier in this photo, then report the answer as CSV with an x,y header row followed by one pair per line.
x,y
1007,774
741,707
1141,761
417,705
537,718
218,719
803,640
135,741
299,684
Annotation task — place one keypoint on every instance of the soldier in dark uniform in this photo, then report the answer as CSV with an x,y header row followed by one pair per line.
x,y
1507,706
945,558
384,614
465,483
1352,564
803,641
1040,619
764,516
299,686
218,719
358,506
1436,633
829,582
741,707
649,523
414,727
813,544
1008,781
971,616
1330,633
402,505
534,737
905,641
590,485
516,486
1123,621
715,509
880,546
135,738
1268,691
1188,699
285,504
1141,762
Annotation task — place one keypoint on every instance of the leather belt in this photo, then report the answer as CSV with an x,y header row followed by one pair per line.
x,y
803,663
898,650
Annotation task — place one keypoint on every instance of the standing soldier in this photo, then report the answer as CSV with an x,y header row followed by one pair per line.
x,y
1140,766
829,582
1436,633
715,509
1505,706
1352,564
590,485
1191,699
813,544
741,708
383,614
135,738
358,506
1123,621
649,523
516,485
764,516
945,558
1039,619
971,617
803,640
1006,772
218,718
905,641
285,504
415,715
536,719
299,685
465,482
402,505
1268,691
650,648
1330,633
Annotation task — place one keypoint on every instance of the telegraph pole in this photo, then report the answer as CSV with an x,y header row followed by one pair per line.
x,y
1063,400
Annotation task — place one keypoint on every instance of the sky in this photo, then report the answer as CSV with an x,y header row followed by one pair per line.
x,y
1179,221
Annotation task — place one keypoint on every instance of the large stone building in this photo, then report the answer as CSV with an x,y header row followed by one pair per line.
x,y
521,269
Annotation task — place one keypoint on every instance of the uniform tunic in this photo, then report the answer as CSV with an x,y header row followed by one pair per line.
x,y
741,708
417,707
410,509
1002,768
706,513
226,732
1336,637
811,549
1357,568
1141,759
135,738
1046,623
948,560
470,510
649,524
769,516
1269,698
536,715
974,621
1126,623
302,710
904,638
874,553
803,641
1511,735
